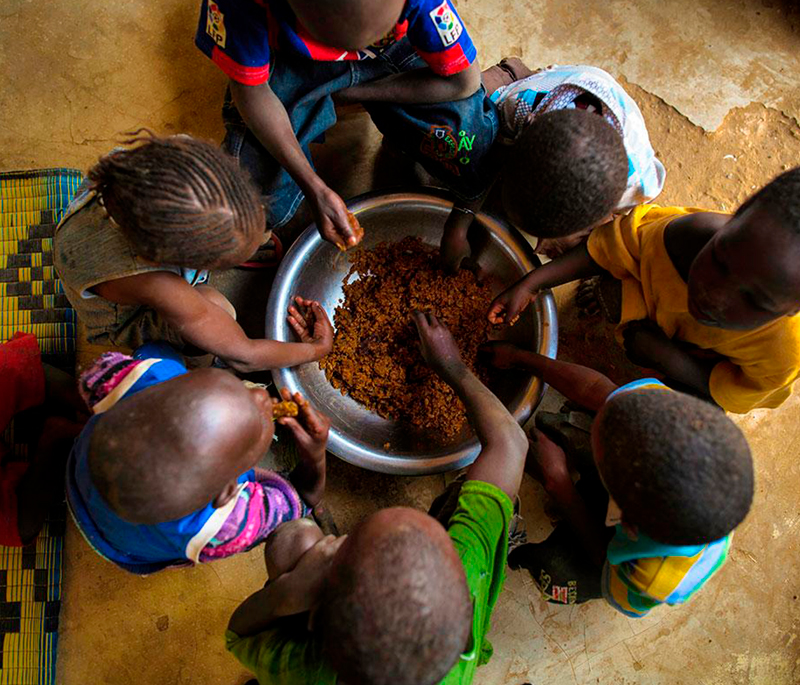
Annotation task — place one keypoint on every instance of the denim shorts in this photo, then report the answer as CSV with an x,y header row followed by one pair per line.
x,y
449,139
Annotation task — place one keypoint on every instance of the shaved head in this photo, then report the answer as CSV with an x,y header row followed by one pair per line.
x,y
172,448
396,609
348,24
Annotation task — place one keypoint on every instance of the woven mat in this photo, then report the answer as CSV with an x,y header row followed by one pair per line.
x,y
32,300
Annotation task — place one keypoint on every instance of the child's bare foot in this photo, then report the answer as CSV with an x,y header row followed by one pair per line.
x,y
499,354
600,295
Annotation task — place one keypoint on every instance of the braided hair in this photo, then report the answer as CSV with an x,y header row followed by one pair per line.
x,y
180,201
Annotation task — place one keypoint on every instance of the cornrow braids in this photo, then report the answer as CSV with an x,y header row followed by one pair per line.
x,y
180,201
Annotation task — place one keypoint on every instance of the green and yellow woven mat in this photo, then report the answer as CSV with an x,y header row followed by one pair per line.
x,y
32,300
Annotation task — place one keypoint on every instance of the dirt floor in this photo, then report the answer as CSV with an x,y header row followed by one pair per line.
x,y
727,65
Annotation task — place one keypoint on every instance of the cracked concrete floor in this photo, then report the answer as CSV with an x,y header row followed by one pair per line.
x,y
716,80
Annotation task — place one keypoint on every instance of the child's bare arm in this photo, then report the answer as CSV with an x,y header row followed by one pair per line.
x,y
266,117
568,267
646,345
454,246
503,443
294,592
418,86
583,385
211,328
310,431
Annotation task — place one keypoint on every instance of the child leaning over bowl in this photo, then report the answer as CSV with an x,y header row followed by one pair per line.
x,y
165,472
664,480
406,597
572,149
709,299
133,249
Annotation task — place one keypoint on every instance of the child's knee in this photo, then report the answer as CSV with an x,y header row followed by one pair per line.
x,y
288,542
216,297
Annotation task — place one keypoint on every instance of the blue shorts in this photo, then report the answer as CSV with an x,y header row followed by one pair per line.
x,y
449,139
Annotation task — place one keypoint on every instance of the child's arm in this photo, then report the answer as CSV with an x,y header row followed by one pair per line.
x,y
503,443
293,592
209,327
454,246
646,345
266,117
583,385
568,267
422,86
310,430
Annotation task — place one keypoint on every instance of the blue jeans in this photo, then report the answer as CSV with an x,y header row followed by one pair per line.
x,y
449,139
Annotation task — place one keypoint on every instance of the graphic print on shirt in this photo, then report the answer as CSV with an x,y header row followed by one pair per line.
x,y
447,23
215,24
440,144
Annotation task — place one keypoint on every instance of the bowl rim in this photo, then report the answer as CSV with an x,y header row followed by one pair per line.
x,y
338,443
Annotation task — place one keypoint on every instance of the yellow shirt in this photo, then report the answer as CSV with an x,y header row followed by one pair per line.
x,y
761,364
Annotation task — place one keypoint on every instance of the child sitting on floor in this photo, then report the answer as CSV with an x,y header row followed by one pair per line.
x,y
572,149
405,598
410,62
708,299
133,247
671,473
29,488
163,474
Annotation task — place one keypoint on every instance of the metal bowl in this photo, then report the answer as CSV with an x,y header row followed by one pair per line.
x,y
315,269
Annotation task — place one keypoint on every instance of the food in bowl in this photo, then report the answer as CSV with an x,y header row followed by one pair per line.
x,y
376,358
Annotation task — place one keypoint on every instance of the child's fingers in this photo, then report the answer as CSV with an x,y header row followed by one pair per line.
x,y
419,321
300,329
300,434
312,419
496,314
286,394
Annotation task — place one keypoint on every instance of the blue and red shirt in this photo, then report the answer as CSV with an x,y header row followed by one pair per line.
x,y
240,35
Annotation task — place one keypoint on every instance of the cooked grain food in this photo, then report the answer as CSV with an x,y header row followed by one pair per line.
x,y
376,357
285,408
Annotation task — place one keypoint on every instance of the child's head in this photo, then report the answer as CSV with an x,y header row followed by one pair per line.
x,y
566,172
747,274
172,448
181,202
678,468
396,609
348,24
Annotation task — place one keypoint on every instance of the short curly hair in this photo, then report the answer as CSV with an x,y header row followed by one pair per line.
x,y
566,171
678,467
396,613
180,201
782,197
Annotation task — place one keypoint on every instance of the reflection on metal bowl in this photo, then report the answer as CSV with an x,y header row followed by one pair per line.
x,y
315,269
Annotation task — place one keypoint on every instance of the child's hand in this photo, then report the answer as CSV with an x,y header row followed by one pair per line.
x,y
333,220
507,306
453,250
499,354
307,579
438,347
312,325
310,428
